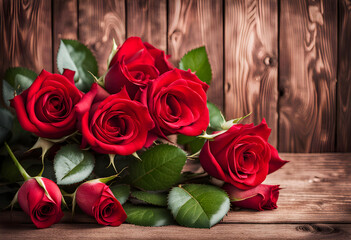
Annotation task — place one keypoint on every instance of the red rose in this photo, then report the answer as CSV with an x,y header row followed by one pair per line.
x,y
46,108
44,210
177,104
134,65
112,124
97,200
241,156
259,198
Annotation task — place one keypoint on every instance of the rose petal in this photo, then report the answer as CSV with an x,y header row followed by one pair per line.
x,y
209,163
259,198
276,162
69,74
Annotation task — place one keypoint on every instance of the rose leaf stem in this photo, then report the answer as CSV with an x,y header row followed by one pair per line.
x,y
23,172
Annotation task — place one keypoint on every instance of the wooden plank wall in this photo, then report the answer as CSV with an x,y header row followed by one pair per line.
x,y
285,61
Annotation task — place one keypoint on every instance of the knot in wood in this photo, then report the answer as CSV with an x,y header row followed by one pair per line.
x,y
269,61
317,228
176,35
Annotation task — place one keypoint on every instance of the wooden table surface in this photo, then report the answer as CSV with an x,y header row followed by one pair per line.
x,y
314,203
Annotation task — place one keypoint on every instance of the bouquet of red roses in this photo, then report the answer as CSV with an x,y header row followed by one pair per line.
x,y
143,127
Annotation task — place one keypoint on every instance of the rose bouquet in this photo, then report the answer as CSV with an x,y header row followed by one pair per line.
x,y
139,144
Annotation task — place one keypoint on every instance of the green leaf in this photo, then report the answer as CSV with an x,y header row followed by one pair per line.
x,y
159,168
72,165
6,121
158,199
192,144
199,206
77,57
197,61
148,216
8,92
20,78
216,117
121,192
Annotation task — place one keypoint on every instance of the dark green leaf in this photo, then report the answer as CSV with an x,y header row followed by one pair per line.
x,y
6,121
121,192
10,172
158,199
197,61
6,198
216,117
72,165
199,206
148,216
20,78
49,171
77,57
104,169
159,168
19,135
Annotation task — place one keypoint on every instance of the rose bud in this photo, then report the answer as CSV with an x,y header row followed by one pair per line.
x,y
241,156
97,200
43,208
46,108
177,104
112,124
134,65
258,198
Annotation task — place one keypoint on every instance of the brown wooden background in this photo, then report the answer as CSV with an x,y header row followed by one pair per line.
x,y
285,60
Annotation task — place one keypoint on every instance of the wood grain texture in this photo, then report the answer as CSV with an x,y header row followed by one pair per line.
x,y
65,25
220,231
25,35
251,68
308,50
99,23
192,24
343,126
148,19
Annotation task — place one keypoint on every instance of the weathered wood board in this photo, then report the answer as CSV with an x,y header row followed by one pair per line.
x,y
99,23
25,35
343,126
251,67
147,19
307,76
221,231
